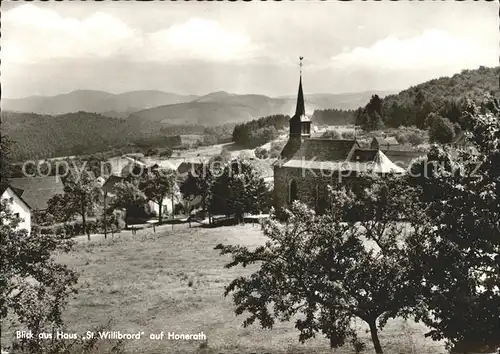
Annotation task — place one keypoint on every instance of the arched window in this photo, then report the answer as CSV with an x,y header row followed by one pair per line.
x,y
292,191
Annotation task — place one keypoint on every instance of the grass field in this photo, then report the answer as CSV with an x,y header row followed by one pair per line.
x,y
174,281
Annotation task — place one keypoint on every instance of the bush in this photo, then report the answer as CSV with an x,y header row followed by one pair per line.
x,y
348,135
152,152
261,153
166,153
332,134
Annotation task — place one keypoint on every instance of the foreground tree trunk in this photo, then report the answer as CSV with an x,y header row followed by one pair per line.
x,y
84,223
160,211
375,340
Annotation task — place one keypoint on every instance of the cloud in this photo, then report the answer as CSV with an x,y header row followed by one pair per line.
x,y
32,34
202,39
432,49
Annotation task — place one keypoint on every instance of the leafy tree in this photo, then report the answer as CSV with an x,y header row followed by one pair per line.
x,y
237,190
5,158
81,195
441,130
157,185
459,255
129,197
34,288
321,268
197,184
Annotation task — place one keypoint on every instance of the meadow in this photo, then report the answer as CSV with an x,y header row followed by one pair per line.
x,y
173,280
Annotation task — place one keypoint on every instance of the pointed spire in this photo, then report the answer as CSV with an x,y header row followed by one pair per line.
x,y
301,109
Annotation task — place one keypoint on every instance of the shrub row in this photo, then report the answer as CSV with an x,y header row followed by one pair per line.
x,y
75,228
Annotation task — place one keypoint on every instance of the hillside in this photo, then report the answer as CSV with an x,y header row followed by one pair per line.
x,y
39,136
116,105
444,96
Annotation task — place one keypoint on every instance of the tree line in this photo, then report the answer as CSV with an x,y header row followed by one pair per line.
x,y
333,116
436,105
259,131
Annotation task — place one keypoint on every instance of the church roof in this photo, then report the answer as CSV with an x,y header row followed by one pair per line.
x,y
378,163
325,149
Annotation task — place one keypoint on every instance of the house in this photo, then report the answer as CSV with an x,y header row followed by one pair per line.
x,y
18,206
37,191
308,165
389,143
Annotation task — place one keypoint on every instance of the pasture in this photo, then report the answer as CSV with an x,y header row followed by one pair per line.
x,y
174,281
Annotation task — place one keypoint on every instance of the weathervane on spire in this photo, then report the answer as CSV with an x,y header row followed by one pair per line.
x,y
300,65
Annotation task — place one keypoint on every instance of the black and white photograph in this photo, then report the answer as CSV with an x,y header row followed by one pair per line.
x,y
250,177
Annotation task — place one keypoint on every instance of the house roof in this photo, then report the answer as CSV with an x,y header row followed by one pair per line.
x,y
109,186
403,158
386,141
5,187
37,191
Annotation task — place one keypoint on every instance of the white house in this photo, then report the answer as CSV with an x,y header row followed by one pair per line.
x,y
18,206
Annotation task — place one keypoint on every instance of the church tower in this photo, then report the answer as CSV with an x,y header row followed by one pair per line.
x,y
300,124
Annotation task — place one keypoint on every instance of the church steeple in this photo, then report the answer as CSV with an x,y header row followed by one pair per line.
x,y
301,108
300,124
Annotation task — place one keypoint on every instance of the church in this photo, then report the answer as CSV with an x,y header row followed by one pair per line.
x,y
308,165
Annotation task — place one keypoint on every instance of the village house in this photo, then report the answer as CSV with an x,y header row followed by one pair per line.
x,y
37,191
308,165
388,143
18,206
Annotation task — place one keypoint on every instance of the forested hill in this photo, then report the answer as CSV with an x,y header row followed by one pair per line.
x,y
39,136
36,136
444,96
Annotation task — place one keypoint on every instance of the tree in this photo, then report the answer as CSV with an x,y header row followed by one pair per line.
x,y
237,190
33,287
459,255
129,197
5,158
197,184
321,269
157,185
441,130
81,194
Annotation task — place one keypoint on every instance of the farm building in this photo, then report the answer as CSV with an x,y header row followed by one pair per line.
x,y
18,206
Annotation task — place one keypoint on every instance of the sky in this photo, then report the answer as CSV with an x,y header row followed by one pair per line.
x,y
195,48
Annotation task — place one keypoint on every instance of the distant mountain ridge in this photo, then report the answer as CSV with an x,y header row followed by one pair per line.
x,y
109,104
170,108
223,107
